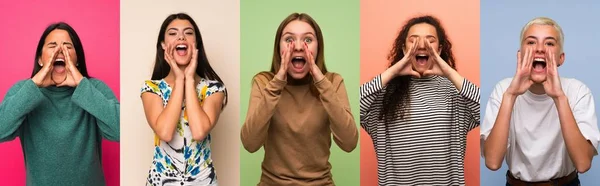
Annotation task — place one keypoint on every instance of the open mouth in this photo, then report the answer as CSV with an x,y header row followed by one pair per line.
x,y
298,63
421,59
539,64
181,49
59,65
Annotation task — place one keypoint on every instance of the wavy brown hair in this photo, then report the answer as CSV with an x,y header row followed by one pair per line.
x,y
276,62
396,97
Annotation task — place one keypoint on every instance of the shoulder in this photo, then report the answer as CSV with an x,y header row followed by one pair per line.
x,y
209,86
262,78
574,87
334,77
153,86
15,87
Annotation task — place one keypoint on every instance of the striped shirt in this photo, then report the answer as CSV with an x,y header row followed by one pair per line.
x,y
428,146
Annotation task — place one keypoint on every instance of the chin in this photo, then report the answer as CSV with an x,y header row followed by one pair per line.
x,y
538,78
182,62
298,76
59,78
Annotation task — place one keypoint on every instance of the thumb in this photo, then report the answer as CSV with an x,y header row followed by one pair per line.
x,y
415,74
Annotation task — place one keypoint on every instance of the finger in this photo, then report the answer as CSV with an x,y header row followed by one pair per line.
x,y
519,61
528,58
413,50
68,61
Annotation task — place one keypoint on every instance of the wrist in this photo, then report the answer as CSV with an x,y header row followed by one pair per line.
x,y
509,96
559,98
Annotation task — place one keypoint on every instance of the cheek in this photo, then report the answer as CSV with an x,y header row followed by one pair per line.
x,y
190,39
314,48
73,56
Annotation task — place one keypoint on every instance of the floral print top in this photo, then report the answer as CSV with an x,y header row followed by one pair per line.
x,y
183,160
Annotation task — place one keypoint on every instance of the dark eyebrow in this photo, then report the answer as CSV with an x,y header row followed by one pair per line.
x,y
306,33
183,29
52,43
68,43
428,36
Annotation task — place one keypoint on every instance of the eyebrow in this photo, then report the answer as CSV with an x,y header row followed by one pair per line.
x,y
533,37
305,33
183,29
54,43
428,36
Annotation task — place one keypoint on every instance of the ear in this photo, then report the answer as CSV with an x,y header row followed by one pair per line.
x,y
404,49
40,61
164,46
561,59
439,49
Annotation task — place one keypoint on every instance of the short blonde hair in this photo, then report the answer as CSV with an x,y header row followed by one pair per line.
x,y
545,21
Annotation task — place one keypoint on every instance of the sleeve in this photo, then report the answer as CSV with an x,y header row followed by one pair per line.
x,y
264,97
334,97
97,99
368,94
491,112
21,99
471,99
585,116
214,87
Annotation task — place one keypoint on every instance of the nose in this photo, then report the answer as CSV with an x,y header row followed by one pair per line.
x,y
539,48
298,45
421,44
181,37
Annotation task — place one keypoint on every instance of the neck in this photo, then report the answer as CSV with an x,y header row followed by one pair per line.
x,y
537,88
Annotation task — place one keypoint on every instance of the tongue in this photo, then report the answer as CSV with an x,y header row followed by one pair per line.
x,y
298,65
538,67
59,68
181,52
421,61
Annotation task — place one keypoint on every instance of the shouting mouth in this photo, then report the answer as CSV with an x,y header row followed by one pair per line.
x,y
539,64
298,63
421,59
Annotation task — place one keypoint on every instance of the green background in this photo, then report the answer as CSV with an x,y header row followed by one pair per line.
x,y
339,22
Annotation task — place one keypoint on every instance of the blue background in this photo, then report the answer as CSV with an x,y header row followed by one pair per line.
x,y
501,23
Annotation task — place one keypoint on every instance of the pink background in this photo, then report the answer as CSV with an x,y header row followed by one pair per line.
x,y
97,24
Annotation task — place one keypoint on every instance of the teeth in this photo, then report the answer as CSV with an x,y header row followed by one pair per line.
x,y
181,46
62,60
539,59
421,55
298,57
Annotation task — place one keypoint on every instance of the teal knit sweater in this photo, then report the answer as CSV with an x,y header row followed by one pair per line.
x,y
61,129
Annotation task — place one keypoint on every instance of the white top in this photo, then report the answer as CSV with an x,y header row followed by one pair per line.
x,y
536,150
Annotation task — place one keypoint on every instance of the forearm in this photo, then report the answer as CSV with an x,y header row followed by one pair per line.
x,y
580,150
335,102
455,78
261,108
169,117
496,143
198,120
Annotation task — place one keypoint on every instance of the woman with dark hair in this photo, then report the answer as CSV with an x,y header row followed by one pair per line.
x,y
60,114
294,115
182,103
419,110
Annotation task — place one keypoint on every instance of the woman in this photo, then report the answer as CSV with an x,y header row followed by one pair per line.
x,y
182,104
419,110
61,114
294,114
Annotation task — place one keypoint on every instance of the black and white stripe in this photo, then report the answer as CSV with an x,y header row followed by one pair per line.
x,y
428,146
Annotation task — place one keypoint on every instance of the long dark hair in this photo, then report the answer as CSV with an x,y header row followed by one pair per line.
x,y
162,68
76,44
396,98
276,62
